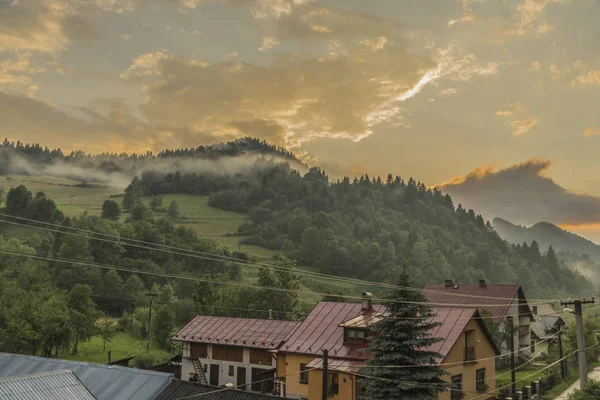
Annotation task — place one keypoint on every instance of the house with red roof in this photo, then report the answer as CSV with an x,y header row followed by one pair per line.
x,y
501,301
467,351
235,352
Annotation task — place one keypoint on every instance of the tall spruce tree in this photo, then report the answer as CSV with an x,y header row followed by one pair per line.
x,y
402,339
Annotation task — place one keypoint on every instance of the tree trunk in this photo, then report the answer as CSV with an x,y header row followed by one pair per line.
x,y
74,352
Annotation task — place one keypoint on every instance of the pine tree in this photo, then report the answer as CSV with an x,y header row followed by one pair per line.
x,y
402,338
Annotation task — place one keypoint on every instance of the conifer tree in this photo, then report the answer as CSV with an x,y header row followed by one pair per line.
x,y
402,339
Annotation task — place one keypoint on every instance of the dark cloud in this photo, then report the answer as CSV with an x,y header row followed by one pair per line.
x,y
523,194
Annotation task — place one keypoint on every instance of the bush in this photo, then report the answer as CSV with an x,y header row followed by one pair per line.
x,y
145,361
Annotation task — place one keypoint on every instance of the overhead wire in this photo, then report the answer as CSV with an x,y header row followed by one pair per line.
x,y
220,258
198,279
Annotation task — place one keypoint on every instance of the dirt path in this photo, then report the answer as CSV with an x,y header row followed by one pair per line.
x,y
595,374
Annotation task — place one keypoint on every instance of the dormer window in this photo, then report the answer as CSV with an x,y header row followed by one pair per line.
x,y
355,335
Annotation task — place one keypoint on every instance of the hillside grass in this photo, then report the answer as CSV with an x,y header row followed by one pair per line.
x,y
209,222
123,345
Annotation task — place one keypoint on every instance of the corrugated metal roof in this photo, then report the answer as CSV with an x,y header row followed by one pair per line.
x,y
473,295
323,329
105,382
56,385
245,332
178,389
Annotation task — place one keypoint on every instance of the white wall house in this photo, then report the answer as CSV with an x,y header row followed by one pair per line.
x,y
236,351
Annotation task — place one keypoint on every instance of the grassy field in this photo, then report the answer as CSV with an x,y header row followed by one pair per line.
x,y
70,199
123,345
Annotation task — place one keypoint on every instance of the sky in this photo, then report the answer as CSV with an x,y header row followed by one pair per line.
x,y
491,99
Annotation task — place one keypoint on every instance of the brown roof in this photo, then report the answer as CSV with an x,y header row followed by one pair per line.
x,y
324,329
320,330
245,332
495,298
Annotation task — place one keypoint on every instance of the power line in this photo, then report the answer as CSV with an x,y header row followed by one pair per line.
x,y
221,258
193,278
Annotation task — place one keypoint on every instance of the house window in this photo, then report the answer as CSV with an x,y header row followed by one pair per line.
x,y
231,370
303,374
533,346
353,335
456,387
334,387
480,380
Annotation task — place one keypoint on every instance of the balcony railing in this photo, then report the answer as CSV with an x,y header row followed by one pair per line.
x,y
470,353
524,330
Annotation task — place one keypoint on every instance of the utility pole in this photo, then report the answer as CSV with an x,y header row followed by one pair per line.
x,y
151,296
513,372
324,395
583,378
563,364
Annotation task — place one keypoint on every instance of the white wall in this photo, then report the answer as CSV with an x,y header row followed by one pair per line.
x,y
187,367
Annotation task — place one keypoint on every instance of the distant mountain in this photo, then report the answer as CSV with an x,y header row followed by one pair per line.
x,y
547,234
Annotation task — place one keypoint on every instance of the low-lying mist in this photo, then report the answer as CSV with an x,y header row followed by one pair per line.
x,y
117,172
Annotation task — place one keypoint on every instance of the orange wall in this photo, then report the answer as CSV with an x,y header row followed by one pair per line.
x,y
347,387
483,349
289,365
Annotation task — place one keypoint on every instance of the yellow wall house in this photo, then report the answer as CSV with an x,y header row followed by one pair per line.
x,y
468,352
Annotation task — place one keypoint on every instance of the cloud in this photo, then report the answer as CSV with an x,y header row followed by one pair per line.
x,y
118,6
519,126
589,132
126,36
522,126
104,125
467,12
591,78
530,11
536,66
145,65
33,26
268,43
524,194
295,98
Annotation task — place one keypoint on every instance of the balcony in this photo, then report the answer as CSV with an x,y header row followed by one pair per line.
x,y
470,354
524,330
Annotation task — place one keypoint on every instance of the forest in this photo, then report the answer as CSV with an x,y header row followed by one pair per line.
x,y
60,286
368,228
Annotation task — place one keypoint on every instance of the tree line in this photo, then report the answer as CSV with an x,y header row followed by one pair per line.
x,y
368,228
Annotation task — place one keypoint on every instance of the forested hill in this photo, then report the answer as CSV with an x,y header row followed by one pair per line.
x,y
547,234
369,227
26,158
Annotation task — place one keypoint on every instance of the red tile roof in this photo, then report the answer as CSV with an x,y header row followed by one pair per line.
x,y
245,332
323,329
490,297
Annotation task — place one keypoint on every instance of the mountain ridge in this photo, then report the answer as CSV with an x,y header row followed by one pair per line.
x,y
546,234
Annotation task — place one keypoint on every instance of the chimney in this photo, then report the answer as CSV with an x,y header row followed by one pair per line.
x,y
482,283
449,283
367,301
